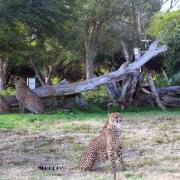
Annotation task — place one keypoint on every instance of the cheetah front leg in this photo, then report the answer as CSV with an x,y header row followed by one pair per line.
x,y
21,107
111,155
120,158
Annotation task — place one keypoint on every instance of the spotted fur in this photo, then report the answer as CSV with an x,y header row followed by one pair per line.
x,y
104,147
27,98
4,106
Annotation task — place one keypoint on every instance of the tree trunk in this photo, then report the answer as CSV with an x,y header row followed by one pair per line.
x,y
113,92
126,51
3,69
2,81
37,73
44,78
89,63
92,43
81,102
48,74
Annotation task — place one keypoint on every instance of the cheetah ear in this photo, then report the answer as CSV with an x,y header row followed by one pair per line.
x,y
14,77
109,115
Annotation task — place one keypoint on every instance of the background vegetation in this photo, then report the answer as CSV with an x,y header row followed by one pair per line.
x,y
55,40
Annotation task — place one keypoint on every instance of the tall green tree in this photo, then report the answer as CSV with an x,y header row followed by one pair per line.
x,y
12,41
41,19
45,56
112,22
167,26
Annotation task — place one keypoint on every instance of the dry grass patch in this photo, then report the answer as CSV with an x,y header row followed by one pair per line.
x,y
151,149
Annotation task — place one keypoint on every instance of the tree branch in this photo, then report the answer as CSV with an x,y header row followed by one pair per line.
x,y
37,73
152,51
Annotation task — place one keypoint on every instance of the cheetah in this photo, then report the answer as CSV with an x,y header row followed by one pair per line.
x,y
104,147
27,98
4,106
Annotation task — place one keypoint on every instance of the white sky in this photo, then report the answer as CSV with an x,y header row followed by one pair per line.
x,y
167,5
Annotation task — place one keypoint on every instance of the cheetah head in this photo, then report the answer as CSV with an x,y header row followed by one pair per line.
x,y
116,119
18,80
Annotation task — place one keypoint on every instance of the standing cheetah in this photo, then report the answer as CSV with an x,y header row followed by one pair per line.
x,y
104,147
27,98
4,106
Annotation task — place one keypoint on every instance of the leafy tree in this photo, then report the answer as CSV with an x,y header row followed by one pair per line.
x,y
111,26
167,26
49,57
91,16
12,38
21,20
42,17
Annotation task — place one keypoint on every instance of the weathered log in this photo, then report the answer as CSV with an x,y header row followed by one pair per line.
x,y
154,92
125,88
75,88
132,90
169,90
113,92
11,100
68,101
153,50
130,84
81,102
170,101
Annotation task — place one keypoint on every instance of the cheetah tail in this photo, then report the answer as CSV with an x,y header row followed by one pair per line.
x,y
41,167
74,168
53,168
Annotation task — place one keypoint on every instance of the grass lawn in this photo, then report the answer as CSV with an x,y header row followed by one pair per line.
x,y
151,140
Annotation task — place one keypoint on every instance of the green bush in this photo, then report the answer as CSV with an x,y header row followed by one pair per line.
x,y
167,26
99,97
7,92
176,79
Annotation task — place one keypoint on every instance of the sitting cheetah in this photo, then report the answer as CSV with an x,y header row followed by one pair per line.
x,y
103,147
27,98
4,106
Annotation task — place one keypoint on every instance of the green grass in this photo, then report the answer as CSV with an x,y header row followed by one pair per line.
x,y
131,176
27,120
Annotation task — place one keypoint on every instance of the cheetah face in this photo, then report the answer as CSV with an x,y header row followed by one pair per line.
x,y
116,120
18,80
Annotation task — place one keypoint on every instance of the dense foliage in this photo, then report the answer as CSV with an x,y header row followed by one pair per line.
x,y
167,26
55,39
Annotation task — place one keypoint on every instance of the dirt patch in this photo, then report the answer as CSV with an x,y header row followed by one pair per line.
x,y
151,150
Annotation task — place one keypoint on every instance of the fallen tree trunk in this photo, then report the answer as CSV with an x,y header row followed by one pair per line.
x,y
75,88
166,95
11,100
169,90
170,101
